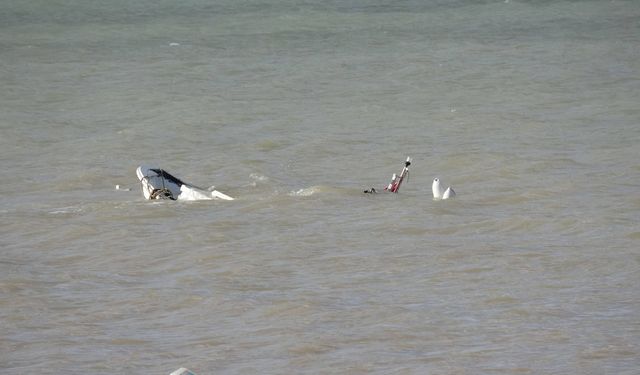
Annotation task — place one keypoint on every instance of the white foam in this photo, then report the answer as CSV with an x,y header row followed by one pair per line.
x,y
307,192
65,210
258,177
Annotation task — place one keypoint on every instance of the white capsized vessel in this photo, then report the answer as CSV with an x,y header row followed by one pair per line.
x,y
159,184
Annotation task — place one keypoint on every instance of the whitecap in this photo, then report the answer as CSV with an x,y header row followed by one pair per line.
x,y
258,177
65,210
307,192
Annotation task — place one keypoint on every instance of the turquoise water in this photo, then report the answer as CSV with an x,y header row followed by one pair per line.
x,y
528,109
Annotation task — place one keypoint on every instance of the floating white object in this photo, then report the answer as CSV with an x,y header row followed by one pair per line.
x,y
439,192
183,371
159,184
449,193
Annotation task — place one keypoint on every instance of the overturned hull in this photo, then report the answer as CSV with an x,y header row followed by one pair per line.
x,y
159,184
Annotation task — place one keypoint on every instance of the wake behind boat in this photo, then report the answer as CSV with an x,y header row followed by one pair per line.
x,y
159,184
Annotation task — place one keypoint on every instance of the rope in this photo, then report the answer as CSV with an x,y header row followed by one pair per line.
x,y
163,193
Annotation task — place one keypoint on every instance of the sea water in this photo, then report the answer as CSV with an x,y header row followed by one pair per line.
x,y
529,109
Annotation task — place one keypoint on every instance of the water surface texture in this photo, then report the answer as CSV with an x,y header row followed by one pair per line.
x,y
529,109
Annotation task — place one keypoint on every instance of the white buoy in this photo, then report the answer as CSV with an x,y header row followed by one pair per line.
x,y
449,193
439,192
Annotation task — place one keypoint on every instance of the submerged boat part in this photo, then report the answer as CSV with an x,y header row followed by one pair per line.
x,y
159,184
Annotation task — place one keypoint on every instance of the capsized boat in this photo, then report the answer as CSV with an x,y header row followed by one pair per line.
x,y
160,184
396,180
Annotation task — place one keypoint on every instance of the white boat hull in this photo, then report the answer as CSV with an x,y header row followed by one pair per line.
x,y
158,184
